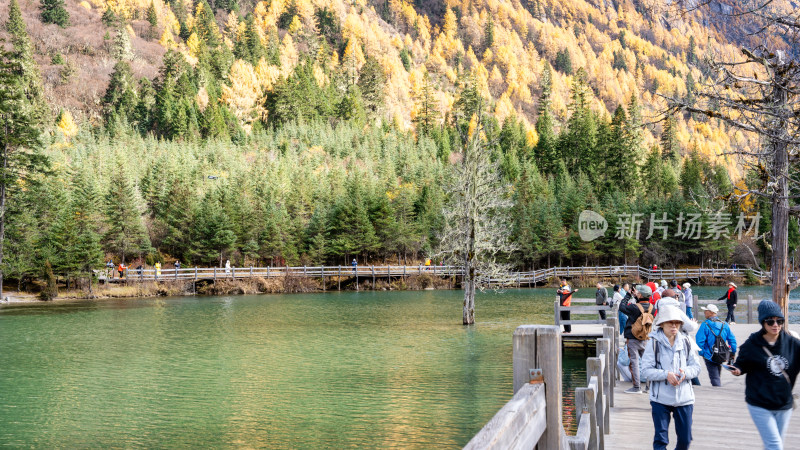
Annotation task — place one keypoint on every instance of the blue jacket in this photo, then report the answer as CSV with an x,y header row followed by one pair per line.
x,y
671,358
706,336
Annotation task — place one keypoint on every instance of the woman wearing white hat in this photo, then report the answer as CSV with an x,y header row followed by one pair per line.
x,y
669,365
731,298
687,294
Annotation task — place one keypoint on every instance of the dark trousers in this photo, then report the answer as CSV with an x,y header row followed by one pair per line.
x,y
565,316
683,425
730,317
602,314
713,372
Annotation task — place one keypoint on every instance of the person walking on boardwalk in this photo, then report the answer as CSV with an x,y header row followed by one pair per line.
x,y
601,298
770,358
678,295
668,364
710,350
640,316
121,269
731,298
354,264
565,299
616,302
662,285
227,267
687,295
158,269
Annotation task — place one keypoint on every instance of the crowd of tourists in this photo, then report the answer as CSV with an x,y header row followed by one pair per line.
x,y
666,348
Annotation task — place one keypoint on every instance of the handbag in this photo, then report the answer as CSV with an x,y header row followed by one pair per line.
x,y
786,376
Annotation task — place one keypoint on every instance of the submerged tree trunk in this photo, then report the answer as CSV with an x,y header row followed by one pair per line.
x,y
469,278
3,214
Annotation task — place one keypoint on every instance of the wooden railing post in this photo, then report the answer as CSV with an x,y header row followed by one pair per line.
x,y
556,307
590,397
750,308
603,352
611,364
539,347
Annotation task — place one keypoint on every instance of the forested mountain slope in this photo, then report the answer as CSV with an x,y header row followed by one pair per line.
x,y
290,131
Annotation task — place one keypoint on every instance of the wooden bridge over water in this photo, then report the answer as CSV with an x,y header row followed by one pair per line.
x,y
606,416
373,272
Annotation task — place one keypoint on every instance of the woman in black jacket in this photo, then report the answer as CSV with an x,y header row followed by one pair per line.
x,y
731,298
771,359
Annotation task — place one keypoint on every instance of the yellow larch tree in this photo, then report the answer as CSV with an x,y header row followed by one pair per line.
x,y
243,94
66,125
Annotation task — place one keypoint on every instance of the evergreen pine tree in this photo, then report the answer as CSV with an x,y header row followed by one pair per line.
x,y
22,54
84,251
211,230
577,142
372,83
669,139
563,62
19,137
152,17
690,89
126,234
53,11
120,98
545,151
622,170
427,114
488,33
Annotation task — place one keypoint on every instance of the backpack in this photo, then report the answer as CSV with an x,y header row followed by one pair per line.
x,y
720,351
644,324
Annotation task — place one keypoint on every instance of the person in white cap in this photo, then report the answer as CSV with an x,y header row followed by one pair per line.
x,y
661,286
687,294
706,338
731,298
669,365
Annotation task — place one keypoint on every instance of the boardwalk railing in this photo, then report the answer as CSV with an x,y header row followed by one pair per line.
x,y
584,306
533,415
518,279
746,310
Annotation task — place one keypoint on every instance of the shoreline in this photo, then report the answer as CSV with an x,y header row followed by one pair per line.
x,y
255,286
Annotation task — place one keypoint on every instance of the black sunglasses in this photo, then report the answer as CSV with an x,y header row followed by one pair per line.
x,y
771,322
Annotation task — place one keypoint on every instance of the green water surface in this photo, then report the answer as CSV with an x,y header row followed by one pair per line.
x,y
335,370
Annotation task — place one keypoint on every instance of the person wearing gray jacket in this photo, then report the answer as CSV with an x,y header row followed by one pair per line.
x,y
668,363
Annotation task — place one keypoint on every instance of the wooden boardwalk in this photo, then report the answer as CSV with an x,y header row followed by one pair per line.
x,y
720,419
518,279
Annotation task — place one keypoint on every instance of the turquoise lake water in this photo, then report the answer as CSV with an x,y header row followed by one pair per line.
x,y
334,370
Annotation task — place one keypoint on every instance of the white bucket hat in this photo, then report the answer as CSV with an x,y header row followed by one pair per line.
x,y
669,314
712,308
687,285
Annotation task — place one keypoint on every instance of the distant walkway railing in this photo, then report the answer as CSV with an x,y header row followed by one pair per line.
x,y
746,310
518,279
533,416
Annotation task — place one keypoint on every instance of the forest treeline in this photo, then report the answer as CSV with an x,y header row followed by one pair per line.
x,y
271,153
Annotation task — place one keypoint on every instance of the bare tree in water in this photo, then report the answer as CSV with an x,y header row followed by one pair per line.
x,y
757,91
476,216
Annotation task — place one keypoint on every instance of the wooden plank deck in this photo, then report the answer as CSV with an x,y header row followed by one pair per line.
x,y
720,419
